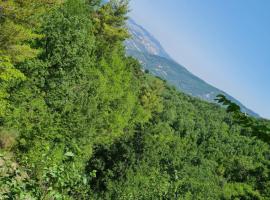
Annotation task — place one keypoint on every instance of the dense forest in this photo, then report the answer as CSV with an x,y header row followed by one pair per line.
x,y
81,120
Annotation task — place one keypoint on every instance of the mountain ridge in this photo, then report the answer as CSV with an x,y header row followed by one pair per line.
x,y
148,50
152,46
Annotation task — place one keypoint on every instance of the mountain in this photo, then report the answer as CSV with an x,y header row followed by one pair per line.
x,y
150,53
143,41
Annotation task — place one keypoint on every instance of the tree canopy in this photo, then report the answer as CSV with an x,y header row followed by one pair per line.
x,y
81,120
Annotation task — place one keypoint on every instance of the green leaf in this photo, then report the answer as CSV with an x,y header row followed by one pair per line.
x,y
69,154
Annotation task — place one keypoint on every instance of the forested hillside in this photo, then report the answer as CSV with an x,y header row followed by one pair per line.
x,y
81,120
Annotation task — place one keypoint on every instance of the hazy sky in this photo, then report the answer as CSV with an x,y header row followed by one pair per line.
x,y
226,43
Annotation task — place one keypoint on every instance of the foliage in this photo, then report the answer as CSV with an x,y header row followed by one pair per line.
x,y
18,21
81,120
259,128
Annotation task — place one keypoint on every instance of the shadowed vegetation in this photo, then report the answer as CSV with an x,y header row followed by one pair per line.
x,y
81,120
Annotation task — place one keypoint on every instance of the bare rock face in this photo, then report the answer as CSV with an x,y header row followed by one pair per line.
x,y
143,41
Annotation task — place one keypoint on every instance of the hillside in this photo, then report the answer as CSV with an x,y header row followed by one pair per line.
x,y
81,120
144,47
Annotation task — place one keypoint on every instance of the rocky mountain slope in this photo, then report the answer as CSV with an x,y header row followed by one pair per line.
x,y
143,46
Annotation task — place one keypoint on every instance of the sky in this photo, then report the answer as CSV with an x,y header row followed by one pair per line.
x,y
226,43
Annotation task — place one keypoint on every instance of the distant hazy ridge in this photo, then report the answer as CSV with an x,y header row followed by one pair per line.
x,y
148,50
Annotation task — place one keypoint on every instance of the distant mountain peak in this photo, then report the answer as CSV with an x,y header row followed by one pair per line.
x,y
143,41
150,53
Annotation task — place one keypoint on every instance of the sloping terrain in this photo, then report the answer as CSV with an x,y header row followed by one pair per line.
x,y
144,47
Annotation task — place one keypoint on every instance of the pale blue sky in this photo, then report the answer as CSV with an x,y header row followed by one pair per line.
x,y
225,42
